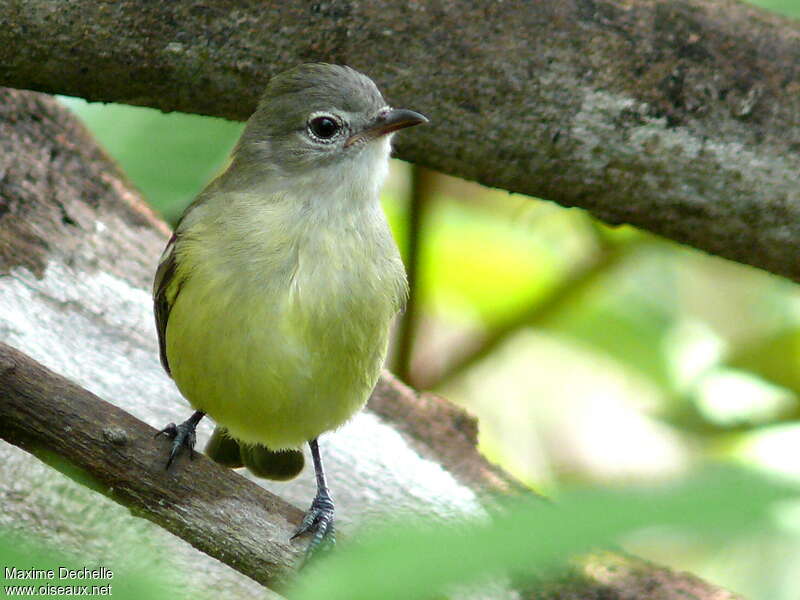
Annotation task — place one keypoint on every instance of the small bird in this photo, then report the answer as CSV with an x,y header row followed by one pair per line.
x,y
274,297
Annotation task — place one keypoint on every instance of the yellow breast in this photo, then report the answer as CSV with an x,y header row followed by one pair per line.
x,y
284,340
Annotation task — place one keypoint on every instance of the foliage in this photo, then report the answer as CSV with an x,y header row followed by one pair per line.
x,y
22,554
528,539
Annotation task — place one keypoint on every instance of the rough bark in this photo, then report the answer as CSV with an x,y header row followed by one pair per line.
x,y
78,249
112,452
678,116
607,576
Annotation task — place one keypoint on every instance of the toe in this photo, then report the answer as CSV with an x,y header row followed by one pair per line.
x,y
169,431
319,521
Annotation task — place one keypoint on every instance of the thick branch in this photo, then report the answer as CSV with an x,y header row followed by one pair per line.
x,y
442,431
211,507
681,117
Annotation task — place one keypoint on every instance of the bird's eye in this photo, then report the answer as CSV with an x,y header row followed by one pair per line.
x,y
324,128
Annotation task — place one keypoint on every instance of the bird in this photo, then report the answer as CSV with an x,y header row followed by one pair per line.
x,y
275,295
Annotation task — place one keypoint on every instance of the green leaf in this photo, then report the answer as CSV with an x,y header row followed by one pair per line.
x,y
169,157
776,358
25,555
531,537
786,7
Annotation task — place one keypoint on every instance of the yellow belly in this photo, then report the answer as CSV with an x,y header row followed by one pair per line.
x,y
275,364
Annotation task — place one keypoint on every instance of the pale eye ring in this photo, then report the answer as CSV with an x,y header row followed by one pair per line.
x,y
324,127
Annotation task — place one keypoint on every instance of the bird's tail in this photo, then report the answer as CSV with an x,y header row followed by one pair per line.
x,y
262,462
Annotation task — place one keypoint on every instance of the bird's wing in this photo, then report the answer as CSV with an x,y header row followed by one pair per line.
x,y
164,295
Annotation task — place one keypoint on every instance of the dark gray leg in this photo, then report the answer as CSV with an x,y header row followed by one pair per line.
x,y
319,518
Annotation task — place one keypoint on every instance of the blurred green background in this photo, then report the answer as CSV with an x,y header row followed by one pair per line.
x,y
590,354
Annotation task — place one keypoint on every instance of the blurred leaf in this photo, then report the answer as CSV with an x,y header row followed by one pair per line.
x,y
169,157
532,536
476,261
24,555
787,7
776,358
731,397
628,318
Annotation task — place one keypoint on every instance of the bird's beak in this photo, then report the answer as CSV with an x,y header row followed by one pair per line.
x,y
387,122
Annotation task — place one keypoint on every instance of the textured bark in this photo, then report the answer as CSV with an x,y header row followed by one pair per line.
x,y
112,452
678,116
607,576
78,251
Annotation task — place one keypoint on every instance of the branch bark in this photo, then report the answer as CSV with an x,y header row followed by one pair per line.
x,y
114,453
677,116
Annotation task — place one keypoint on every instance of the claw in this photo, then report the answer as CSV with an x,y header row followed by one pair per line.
x,y
169,431
182,436
319,521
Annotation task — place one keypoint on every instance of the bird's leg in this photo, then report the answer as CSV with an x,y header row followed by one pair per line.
x,y
319,518
182,436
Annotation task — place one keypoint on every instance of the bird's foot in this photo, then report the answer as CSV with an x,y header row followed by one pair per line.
x,y
319,521
182,436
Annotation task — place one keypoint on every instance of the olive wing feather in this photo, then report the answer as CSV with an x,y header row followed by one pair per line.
x,y
164,296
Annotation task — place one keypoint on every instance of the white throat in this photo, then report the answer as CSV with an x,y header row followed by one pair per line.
x,y
350,184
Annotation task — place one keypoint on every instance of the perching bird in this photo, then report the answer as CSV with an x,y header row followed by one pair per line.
x,y
274,296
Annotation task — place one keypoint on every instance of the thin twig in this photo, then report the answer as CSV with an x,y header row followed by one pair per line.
x,y
606,259
419,196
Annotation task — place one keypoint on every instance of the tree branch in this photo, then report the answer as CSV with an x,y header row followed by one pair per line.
x,y
443,432
101,446
676,116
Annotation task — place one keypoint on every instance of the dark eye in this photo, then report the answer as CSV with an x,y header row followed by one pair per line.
x,y
323,127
